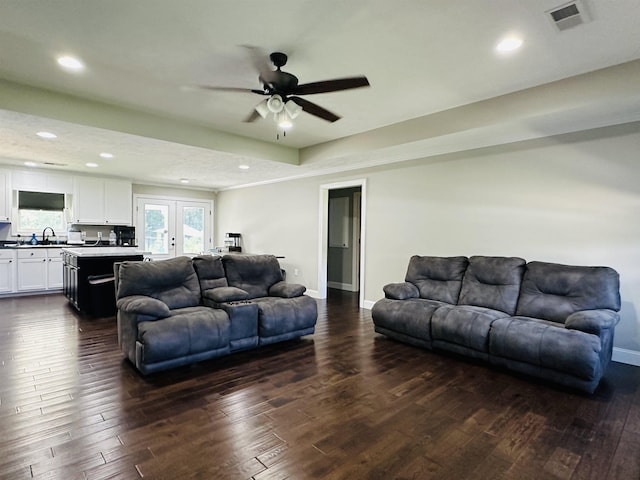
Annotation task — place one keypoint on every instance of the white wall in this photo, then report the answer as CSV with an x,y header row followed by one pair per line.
x,y
571,199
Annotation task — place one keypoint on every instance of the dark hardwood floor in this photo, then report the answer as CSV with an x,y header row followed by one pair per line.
x,y
345,403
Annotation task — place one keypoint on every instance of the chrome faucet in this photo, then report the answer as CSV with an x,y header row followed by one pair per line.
x,y
45,229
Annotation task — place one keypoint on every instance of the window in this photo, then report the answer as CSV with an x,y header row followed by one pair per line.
x,y
38,210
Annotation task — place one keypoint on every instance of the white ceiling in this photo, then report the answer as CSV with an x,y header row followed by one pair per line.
x,y
437,85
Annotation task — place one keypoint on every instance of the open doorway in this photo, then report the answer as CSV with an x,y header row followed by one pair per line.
x,y
343,254
342,240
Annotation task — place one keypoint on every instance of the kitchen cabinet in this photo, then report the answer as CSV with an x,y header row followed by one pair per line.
x,y
41,182
39,269
7,271
5,196
32,269
54,268
88,200
98,201
117,202
88,277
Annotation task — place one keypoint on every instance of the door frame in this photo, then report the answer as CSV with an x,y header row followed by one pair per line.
x,y
323,240
177,201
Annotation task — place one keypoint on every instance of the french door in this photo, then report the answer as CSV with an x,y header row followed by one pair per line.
x,y
168,228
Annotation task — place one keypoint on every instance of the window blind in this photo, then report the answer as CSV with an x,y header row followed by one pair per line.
x,y
40,201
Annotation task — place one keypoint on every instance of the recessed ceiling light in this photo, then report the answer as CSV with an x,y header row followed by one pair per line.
x,y
106,155
31,164
46,135
509,44
71,63
91,164
184,180
243,167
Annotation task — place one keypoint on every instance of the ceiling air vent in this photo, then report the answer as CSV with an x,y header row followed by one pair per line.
x,y
568,15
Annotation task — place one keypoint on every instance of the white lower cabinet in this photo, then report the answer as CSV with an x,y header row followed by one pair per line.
x,y
54,268
39,269
7,271
32,269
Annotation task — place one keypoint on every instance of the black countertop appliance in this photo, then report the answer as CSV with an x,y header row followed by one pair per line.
x,y
126,236
233,242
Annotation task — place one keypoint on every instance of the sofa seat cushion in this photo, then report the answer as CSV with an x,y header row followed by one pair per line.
x,y
546,344
277,316
411,317
187,331
464,325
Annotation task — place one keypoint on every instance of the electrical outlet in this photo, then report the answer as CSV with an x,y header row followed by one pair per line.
x,y
295,272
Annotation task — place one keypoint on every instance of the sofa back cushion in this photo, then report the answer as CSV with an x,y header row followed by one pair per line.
x,y
437,278
252,273
493,282
552,291
210,272
172,281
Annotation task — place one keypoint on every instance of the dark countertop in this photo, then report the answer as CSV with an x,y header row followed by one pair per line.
x,y
12,244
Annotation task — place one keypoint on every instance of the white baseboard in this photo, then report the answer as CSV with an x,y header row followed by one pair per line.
x,y
341,286
314,294
622,355
368,304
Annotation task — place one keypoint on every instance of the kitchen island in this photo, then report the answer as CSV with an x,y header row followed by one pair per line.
x,y
88,280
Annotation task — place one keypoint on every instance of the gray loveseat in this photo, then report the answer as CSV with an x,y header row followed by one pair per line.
x,y
547,320
180,311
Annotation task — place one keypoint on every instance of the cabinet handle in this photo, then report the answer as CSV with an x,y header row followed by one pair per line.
x,y
44,259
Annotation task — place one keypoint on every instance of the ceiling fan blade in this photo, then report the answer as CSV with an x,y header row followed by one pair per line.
x,y
232,89
253,116
260,61
330,85
314,109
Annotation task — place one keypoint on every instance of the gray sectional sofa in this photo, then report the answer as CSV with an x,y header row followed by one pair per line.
x,y
180,311
546,320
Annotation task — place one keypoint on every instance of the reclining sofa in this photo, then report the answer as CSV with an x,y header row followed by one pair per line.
x,y
550,321
180,311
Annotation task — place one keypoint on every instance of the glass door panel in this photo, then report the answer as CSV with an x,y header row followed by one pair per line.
x,y
193,228
156,228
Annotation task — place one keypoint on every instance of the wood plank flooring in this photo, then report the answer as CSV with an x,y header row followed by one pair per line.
x,y
345,403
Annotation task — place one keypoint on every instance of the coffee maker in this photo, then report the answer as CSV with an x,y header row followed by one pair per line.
x,y
232,241
125,236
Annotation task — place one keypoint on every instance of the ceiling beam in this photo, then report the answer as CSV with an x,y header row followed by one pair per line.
x,y
46,103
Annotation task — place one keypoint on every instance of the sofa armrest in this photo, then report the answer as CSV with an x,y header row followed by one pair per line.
x,y
225,294
592,321
286,290
143,305
401,291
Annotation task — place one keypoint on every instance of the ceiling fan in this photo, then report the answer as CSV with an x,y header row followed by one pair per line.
x,y
283,90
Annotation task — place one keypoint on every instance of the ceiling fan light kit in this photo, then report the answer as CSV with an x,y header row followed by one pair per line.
x,y
282,89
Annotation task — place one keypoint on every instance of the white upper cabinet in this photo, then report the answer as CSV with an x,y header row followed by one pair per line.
x,y
117,202
41,182
88,200
98,201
